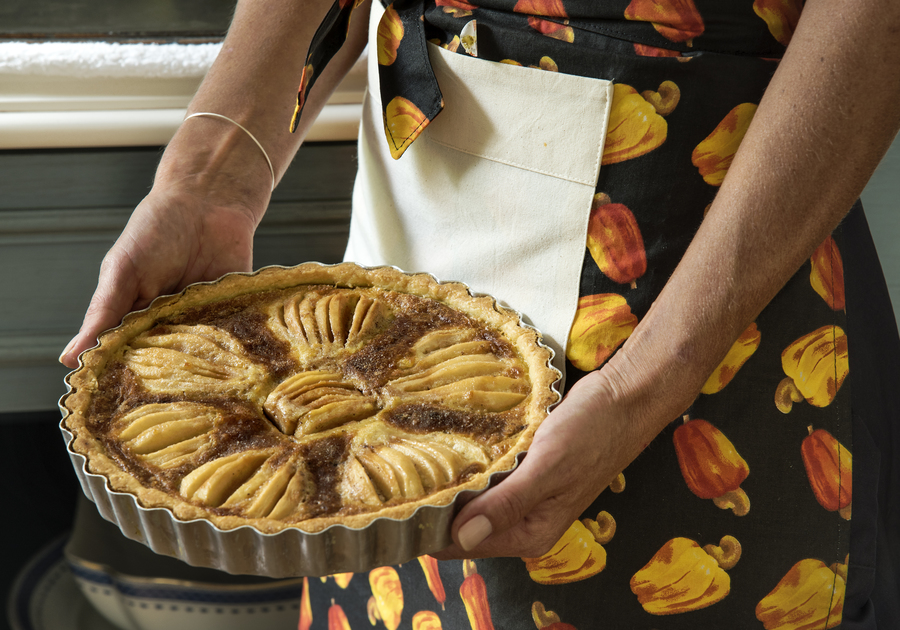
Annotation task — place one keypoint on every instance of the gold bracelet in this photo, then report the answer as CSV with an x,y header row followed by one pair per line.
x,y
245,130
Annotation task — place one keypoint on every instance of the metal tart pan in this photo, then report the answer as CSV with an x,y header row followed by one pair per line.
x,y
291,552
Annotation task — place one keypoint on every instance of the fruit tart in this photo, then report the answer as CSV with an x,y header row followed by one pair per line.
x,y
292,400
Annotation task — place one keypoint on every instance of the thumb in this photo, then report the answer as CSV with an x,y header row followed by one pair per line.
x,y
503,508
113,298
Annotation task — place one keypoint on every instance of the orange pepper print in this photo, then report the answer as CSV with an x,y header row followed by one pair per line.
x,y
676,20
337,619
545,8
711,466
433,578
473,592
642,50
306,616
456,8
829,467
536,9
614,241
827,274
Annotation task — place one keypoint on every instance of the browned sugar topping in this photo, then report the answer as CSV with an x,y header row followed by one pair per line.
x,y
323,460
242,317
486,427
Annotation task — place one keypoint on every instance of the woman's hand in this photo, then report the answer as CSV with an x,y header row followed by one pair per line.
x,y
577,451
173,238
213,184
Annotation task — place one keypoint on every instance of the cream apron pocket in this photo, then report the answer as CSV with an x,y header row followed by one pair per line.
x,y
497,190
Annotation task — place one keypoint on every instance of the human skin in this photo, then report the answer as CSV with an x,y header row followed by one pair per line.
x,y
823,125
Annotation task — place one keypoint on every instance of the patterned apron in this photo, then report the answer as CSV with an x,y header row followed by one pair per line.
x,y
739,514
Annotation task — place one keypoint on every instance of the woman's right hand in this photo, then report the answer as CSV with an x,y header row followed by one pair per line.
x,y
175,236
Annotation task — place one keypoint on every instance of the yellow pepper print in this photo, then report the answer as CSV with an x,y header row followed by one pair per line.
x,y
737,356
676,20
809,597
781,16
713,156
577,555
816,366
388,36
635,127
426,620
546,63
386,602
403,124
602,323
682,577
305,78
665,99
547,619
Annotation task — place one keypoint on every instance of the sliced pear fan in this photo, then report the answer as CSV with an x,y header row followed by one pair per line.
x,y
310,402
168,434
456,368
318,323
251,482
409,468
193,360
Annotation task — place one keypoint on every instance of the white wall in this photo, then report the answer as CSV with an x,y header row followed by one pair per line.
x,y
881,200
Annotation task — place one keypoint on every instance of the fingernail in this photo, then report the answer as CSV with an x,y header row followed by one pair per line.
x,y
473,532
67,350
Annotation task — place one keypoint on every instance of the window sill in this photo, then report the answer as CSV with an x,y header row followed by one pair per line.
x,y
48,102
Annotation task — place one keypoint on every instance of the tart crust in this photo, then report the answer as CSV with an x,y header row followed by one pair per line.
x,y
309,396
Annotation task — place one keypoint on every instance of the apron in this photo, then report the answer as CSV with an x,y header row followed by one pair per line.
x,y
493,193
571,196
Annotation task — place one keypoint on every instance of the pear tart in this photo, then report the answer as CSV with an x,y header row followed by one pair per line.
x,y
309,396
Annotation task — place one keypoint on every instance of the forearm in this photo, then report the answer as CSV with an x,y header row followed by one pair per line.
x,y
254,81
824,123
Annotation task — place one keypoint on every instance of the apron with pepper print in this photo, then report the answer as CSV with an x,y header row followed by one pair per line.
x,y
567,178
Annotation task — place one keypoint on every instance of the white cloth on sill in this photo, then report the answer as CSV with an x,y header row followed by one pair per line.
x,y
104,59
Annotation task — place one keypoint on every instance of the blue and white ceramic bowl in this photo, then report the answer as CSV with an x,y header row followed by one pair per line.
x,y
136,589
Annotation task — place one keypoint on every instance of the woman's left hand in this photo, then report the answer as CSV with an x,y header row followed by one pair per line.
x,y
577,451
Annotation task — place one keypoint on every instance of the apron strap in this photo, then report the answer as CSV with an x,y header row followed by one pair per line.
x,y
409,89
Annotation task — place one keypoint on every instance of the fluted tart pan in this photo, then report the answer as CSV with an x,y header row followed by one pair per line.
x,y
304,420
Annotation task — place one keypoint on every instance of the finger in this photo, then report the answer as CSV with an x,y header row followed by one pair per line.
x,y
500,513
115,296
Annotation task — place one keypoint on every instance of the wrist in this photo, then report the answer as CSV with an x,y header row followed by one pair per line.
x,y
218,161
653,382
